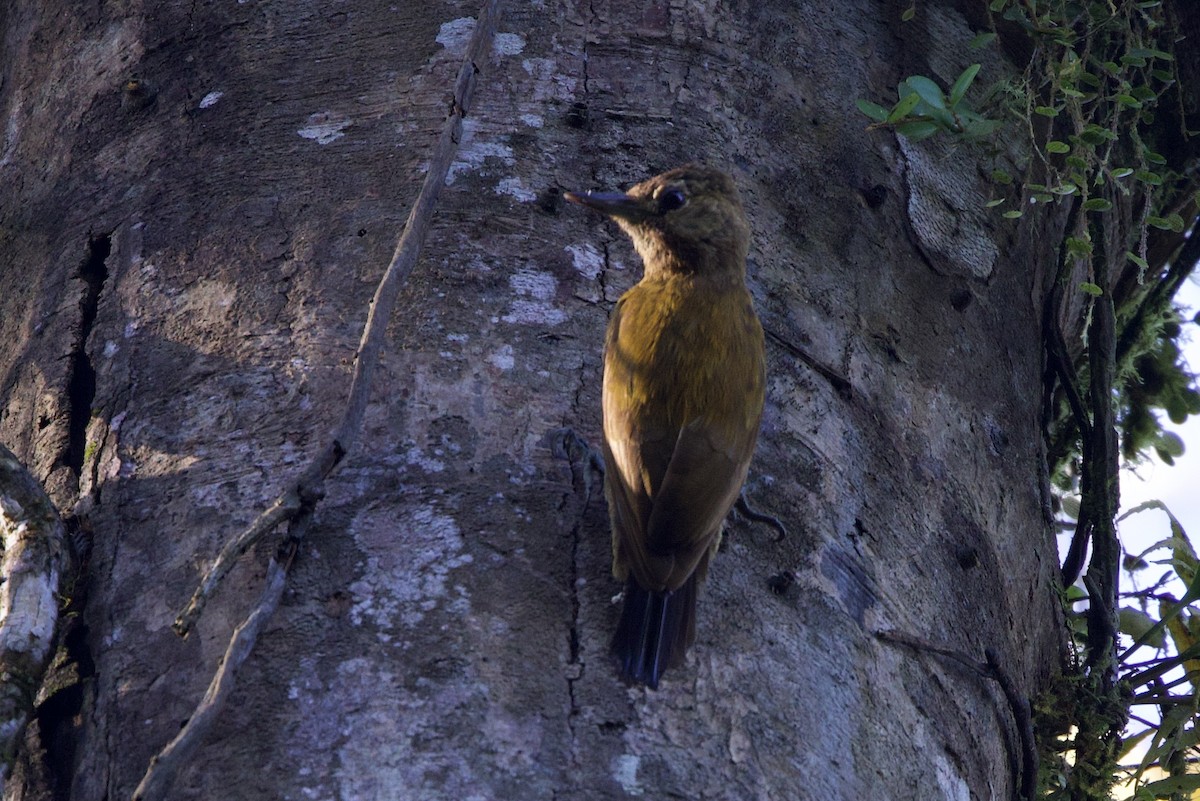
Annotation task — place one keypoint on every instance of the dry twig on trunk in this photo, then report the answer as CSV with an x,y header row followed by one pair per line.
x,y
296,504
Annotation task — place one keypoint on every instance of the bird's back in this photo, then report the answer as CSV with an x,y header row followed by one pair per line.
x,y
684,356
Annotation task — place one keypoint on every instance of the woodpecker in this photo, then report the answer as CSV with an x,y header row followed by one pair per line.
x,y
684,380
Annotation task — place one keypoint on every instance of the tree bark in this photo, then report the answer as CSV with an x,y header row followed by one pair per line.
x,y
444,633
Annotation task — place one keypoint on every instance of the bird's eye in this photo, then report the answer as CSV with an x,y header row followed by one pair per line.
x,y
670,200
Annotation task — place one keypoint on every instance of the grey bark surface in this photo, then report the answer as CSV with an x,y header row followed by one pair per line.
x,y
444,632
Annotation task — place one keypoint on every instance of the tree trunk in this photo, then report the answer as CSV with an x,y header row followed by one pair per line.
x,y
187,261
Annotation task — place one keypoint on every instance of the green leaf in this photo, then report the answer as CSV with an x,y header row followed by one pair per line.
x,y
1132,564
1089,288
872,110
1080,247
909,13
991,204
1129,743
1172,223
1176,529
1135,623
1183,783
1145,52
963,83
1171,443
1138,260
904,107
979,128
1001,177
1122,172
1147,177
929,91
917,130
1128,100
1177,413
1155,158
1094,135
942,117
981,41
1097,204
1183,555
1046,111
1016,14
1055,146
997,6
1011,215
1193,593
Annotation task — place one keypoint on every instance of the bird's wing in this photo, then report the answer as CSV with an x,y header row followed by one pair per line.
x,y
636,459
670,483
701,483
638,444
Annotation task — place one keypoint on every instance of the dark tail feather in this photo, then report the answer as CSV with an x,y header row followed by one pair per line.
x,y
655,631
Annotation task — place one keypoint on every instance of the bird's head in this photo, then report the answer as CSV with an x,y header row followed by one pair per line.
x,y
688,220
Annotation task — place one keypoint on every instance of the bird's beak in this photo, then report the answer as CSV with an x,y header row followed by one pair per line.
x,y
614,204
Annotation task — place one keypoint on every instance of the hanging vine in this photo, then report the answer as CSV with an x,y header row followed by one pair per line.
x,y
1101,82
1109,144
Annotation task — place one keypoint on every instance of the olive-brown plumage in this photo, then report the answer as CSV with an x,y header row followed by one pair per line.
x,y
684,378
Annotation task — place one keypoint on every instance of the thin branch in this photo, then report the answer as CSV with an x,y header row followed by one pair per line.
x,y
836,380
309,488
165,765
1023,719
1059,359
1056,345
743,508
1157,299
296,504
1101,485
284,508
991,669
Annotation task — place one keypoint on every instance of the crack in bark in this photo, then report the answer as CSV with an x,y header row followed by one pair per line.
x,y
575,666
81,382
58,710
584,463
602,276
